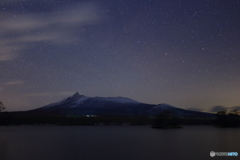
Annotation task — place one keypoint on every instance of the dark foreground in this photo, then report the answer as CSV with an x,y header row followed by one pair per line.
x,y
115,142
24,118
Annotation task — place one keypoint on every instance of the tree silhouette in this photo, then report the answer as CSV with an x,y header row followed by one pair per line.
x,y
2,107
234,118
228,118
4,117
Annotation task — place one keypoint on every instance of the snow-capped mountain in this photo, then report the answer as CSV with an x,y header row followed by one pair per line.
x,y
117,99
80,105
71,101
77,99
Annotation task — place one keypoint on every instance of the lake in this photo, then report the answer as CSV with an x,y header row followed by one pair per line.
x,y
115,142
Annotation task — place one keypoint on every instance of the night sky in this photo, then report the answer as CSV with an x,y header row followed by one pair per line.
x,y
182,52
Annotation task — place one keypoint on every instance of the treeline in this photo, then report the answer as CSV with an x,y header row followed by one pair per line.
x,y
228,118
25,118
168,119
225,118
34,119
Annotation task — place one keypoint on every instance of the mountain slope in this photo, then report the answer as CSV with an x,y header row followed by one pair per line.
x,y
79,105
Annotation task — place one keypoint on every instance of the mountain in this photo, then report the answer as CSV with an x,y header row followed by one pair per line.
x,y
80,105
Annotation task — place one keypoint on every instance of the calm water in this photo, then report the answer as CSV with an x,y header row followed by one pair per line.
x,y
115,143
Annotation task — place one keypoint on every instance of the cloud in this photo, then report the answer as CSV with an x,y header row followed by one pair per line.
x,y
9,51
236,107
18,30
221,108
82,14
12,1
218,108
7,56
14,83
47,94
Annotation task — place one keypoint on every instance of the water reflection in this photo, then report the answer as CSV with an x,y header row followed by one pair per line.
x,y
3,149
114,142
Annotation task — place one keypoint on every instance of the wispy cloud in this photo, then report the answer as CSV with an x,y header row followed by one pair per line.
x,y
9,51
18,30
221,108
7,56
14,82
47,94
12,1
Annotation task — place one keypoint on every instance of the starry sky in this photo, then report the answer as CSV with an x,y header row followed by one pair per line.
x,y
182,52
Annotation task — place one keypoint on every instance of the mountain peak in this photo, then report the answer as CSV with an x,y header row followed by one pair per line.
x,y
76,95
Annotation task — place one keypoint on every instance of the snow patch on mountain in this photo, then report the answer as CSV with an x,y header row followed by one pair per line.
x,y
77,99
163,106
116,99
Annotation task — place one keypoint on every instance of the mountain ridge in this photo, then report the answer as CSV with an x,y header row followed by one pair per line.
x,y
80,105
